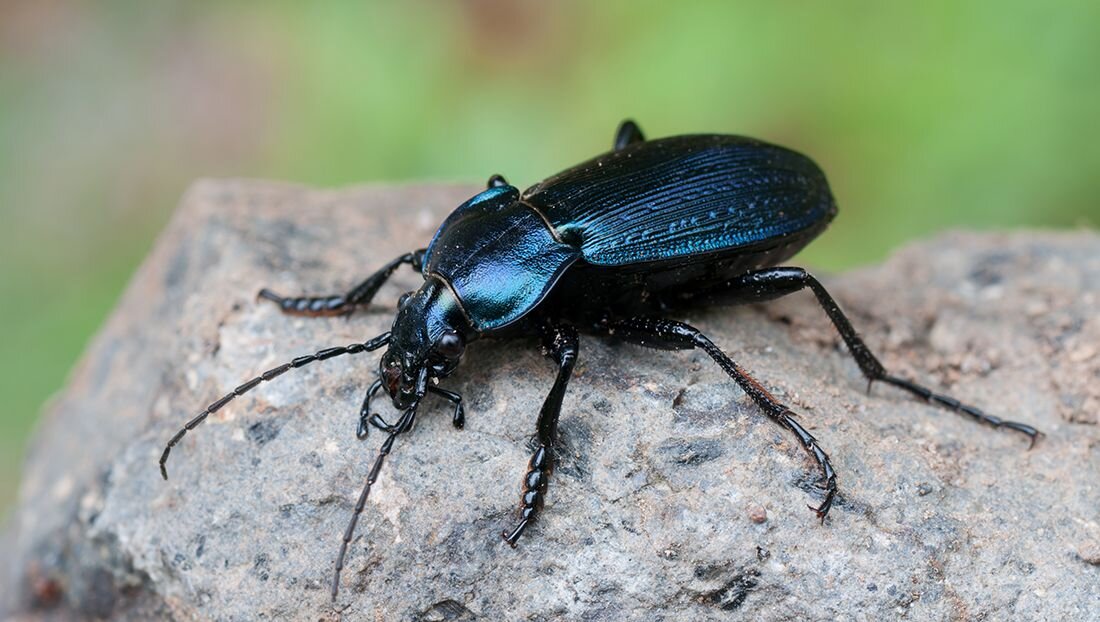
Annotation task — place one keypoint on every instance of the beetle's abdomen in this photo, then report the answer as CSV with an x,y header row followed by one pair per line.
x,y
499,256
684,196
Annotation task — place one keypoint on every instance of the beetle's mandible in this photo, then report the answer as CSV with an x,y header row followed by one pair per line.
x,y
608,247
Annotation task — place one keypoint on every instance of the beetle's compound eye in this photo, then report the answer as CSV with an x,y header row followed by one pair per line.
x,y
404,300
451,345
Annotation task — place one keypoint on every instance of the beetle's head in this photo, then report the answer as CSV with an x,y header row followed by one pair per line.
x,y
427,340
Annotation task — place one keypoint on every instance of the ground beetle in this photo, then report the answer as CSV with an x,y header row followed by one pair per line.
x,y
609,247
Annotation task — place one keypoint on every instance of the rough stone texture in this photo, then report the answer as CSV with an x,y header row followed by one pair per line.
x,y
676,499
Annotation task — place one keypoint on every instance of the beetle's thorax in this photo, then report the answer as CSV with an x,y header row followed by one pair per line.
x,y
428,325
499,257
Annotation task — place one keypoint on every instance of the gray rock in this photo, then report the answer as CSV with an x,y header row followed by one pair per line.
x,y
676,498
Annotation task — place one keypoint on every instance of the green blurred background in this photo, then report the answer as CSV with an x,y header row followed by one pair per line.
x,y
925,115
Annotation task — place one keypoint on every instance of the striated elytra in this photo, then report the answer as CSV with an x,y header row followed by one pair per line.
x,y
612,246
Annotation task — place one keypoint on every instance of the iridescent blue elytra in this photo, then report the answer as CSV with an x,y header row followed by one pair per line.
x,y
609,247
649,207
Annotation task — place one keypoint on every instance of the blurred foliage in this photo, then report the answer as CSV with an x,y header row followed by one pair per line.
x,y
925,116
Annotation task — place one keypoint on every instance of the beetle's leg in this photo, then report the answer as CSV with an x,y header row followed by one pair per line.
x,y
268,375
496,181
771,283
628,134
340,304
672,335
562,345
459,416
376,420
364,410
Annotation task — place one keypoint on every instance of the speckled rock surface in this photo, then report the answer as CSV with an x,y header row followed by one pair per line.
x,y
676,499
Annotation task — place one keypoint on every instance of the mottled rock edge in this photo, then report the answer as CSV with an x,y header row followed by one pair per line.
x,y
676,499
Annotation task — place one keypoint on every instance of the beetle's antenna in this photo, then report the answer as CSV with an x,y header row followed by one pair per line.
x,y
270,374
404,424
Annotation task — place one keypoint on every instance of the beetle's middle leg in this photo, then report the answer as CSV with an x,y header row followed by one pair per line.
x,y
562,345
340,304
771,283
672,335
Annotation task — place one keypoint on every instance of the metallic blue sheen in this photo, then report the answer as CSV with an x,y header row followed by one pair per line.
x,y
653,205
682,197
621,234
486,202
499,256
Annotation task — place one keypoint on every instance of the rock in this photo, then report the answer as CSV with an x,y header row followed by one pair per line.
x,y
676,498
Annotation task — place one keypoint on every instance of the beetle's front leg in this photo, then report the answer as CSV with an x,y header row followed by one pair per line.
x,y
340,304
458,417
366,418
562,344
364,410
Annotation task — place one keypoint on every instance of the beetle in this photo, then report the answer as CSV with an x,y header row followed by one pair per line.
x,y
611,247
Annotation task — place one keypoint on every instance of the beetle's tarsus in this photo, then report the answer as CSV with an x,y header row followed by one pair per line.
x,y
311,306
362,429
1035,439
342,304
827,504
954,405
771,283
513,538
562,345
817,512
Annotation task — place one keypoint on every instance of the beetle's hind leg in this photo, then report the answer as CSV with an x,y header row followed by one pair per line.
x,y
561,343
628,134
672,335
771,283
342,304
